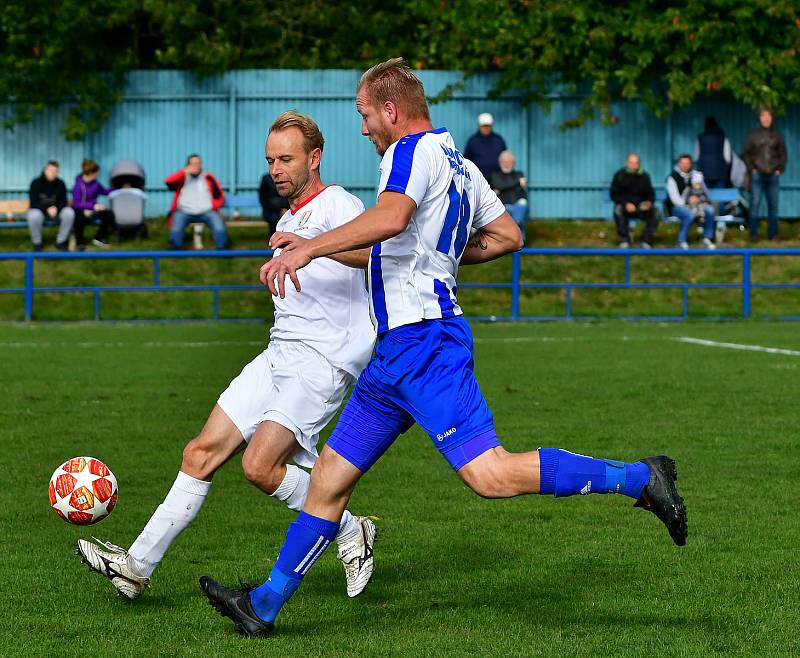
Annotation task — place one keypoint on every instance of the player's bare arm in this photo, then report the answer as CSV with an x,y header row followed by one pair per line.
x,y
357,258
498,238
387,219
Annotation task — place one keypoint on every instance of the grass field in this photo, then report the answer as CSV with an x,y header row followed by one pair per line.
x,y
455,574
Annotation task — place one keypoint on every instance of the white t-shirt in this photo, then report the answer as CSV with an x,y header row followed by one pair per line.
x,y
331,312
412,276
195,197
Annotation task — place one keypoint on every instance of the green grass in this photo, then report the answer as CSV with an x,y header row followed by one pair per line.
x,y
455,574
539,269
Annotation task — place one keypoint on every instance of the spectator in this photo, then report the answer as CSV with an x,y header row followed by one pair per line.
x,y
485,146
273,205
511,188
765,156
84,202
198,198
48,198
677,203
633,196
713,154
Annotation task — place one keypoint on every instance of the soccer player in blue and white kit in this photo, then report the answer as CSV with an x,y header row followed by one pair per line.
x,y
434,211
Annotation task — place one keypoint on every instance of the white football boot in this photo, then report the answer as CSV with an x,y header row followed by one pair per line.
x,y
357,558
113,562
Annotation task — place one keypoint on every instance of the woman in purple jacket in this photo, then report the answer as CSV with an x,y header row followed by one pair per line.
x,y
84,201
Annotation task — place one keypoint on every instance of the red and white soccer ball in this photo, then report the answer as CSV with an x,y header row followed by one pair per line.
x,y
83,490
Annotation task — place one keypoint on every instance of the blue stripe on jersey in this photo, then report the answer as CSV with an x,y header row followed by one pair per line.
x,y
450,220
402,159
378,294
445,302
461,234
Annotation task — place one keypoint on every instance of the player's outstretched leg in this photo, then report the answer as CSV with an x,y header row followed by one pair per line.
x,y
130,570
253,612
265,464
497,473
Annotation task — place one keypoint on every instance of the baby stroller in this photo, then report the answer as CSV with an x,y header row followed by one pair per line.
x,y
127,198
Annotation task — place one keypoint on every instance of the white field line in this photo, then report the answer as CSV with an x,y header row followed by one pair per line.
x,y
737,346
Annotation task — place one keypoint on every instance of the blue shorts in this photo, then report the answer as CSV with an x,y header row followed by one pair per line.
x,y
421,372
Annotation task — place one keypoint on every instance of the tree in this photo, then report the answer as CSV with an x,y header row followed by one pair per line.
x,y
668,53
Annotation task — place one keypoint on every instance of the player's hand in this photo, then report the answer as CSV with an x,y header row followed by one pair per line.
x,y
286,241
273,274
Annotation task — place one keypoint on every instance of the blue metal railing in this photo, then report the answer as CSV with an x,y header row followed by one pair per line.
x,y
516,285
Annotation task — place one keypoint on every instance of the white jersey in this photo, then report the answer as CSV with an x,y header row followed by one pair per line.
x,y
331,312
412,276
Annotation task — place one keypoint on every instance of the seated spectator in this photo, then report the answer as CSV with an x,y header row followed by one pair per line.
x,y
678,192
198,198
84,202
696,195
713,154
485,146
511,188
273,205
48,197
633,196
765,156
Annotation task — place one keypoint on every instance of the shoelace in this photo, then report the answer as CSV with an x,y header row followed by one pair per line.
x,y
108,545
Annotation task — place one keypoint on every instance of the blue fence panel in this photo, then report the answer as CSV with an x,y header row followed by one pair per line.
x,y
165,115
516,285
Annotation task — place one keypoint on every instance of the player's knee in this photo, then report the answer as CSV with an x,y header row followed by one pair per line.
x,y
486,479
263,474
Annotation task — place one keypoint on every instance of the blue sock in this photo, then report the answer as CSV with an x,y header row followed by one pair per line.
x,y
306,539
563,473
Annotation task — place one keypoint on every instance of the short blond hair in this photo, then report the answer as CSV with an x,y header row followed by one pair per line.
x,y
305,124
393,80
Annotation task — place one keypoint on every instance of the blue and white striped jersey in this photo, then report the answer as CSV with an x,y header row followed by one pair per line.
x,y
412,276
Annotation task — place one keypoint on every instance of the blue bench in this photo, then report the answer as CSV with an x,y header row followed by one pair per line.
x,y
233,203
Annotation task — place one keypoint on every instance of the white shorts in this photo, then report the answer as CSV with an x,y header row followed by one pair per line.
x,y
292,385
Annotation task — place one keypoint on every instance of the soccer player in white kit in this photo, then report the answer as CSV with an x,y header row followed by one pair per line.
x,y
275,409
430,200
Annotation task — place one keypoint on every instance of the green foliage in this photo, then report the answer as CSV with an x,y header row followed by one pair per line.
x,y
669,53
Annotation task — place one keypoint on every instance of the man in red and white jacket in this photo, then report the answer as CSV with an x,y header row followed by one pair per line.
x,y
198,198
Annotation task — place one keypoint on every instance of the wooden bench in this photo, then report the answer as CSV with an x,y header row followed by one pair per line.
x,y
10,210
717,195
233,203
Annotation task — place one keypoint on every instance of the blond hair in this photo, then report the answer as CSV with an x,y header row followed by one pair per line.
x,y
305,124
393,80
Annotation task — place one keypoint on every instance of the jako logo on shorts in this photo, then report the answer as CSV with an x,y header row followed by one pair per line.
x,y
444,435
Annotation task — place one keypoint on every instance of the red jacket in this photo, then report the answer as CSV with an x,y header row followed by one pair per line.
x,y
175,182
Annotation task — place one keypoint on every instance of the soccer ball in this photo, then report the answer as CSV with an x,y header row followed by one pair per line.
x,y
83,491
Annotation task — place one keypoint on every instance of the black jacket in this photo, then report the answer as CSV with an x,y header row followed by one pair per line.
x,y
484,151
711,157
765,151
632,187
44,193
271,202
507,185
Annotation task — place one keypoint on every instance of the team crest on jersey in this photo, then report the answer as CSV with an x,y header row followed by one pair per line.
x,y
301,223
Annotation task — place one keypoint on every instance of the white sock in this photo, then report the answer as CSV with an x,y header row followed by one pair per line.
x,y
172,517
294,490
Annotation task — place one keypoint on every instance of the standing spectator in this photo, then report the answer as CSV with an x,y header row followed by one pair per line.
x,y
713,154
765,156
485,146
47,196
511,188
273,205
633,196
84,202
677,203
198,198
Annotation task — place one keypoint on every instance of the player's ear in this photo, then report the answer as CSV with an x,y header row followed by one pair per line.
x,y
390,110
316,158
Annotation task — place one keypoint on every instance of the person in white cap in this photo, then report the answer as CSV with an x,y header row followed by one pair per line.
x,y
485,146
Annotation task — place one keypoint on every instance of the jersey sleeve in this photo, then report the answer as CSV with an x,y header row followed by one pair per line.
x,y
343,208
488,206
406,168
